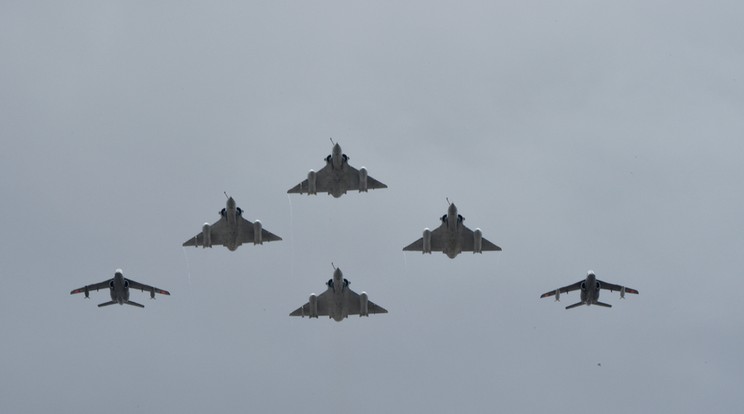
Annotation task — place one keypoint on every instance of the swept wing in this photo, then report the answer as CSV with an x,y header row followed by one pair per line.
x,y
96,286
565,289
354,306
218,234
438,240
322,302
327,180
146,288
468,241
247,232
612,287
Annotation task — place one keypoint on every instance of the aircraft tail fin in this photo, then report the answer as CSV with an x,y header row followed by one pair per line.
x,y
606,305
129,302
574,305
107,303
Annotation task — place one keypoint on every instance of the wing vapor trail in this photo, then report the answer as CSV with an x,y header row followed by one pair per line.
x,y
188,265
291,236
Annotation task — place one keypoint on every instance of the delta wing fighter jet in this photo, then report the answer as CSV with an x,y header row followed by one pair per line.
x,y
337,177
231,230
338,302
452,237
119,288
590,288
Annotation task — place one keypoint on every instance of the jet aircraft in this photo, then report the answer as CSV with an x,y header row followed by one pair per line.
x,y
590,288
452,237
119,287
338,302
337,177
231,230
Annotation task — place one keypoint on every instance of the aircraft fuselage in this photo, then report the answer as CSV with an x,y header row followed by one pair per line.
x,y
337,157
338,311
119,288
453,242
338,163
590,289
232,213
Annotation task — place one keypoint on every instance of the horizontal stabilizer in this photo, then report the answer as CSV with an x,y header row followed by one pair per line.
x,y
129,302
107,303
606,305
574,305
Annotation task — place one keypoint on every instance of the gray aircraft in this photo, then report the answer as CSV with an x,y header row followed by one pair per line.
x,y
452,237
590,288
338,302
231,230
119,287
337,177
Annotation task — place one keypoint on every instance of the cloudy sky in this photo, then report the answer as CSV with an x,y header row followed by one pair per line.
x,y
576,135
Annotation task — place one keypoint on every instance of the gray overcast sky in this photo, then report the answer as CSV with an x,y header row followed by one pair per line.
x,y
577,135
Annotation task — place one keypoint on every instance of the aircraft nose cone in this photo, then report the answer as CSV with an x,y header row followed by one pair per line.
x,y
452,209
337,274
119,272
337,148
231,202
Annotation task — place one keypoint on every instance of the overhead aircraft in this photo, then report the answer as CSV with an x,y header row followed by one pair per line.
x,y
452,237
590,288
231,230
119,287
338,301
337,177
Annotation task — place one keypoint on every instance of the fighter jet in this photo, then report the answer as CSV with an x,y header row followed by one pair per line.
x,y
452,237
119,287
589,291
231,230
337,177
338,302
